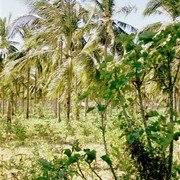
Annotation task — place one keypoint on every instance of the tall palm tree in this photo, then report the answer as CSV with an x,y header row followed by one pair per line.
x,y
109,28
71,42
64,16
6,47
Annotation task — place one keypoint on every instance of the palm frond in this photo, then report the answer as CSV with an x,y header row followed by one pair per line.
x,y
58,81
12,48
22,21
30,58
152,6
86,68
171,7
122,27
152,27
127,9
99,5
3,27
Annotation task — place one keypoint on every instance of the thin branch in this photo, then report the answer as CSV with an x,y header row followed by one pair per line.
x,y
81,173
94,171
103,119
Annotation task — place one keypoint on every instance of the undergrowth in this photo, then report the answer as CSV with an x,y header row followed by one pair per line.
x,y
45,149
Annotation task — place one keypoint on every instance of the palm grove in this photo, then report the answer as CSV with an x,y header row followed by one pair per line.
x,y
79,62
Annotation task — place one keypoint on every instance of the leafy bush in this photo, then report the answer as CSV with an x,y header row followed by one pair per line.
x,y
20,131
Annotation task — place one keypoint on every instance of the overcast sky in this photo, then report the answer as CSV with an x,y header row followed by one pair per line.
x,y
19,7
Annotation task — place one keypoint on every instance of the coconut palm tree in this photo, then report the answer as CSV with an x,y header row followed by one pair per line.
x,y
109,28
6,47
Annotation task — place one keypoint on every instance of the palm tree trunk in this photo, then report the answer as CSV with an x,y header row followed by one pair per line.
x,y
3,102
10,109
77,103
68,99
1,107
77,113
35,87
106,45
58,103
61,49
176,100
58,109
68,104
16,97
28,93
22,102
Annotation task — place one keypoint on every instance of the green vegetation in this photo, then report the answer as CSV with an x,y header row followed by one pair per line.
x,y
86,99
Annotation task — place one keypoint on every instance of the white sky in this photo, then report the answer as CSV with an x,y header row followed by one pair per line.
x,y
19,7
15,7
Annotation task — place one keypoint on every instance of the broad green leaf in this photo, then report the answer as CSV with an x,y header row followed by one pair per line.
x,y
131,139
76,146
102,128
98,74
155,137
144,55
170,127
121,38
45,164
153,113
129,46
90,109
146,36
107,76
162,118
68,152
113,85
73,159
101,108
137,65
155,126
134,136
165,141
122,81
106,159
177,122
91,155
130,74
